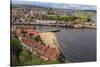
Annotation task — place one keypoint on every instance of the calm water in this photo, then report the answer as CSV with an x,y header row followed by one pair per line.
x,y
77,44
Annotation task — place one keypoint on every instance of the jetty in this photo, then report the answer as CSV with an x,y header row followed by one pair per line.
x,y
48,30
52,30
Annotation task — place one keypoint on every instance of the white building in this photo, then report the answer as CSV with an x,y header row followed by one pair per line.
x,y
46,21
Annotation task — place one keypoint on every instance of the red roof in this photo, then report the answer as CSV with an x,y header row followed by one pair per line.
x,y
33,33
48,52
35,48
28,42
54,55
42,50
34,45
18,31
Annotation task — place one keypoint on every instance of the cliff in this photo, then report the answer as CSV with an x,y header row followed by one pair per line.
x,y
49,39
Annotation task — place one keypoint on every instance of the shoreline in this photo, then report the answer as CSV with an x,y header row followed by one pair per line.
x,y
50,42
72,27
68,59
53,42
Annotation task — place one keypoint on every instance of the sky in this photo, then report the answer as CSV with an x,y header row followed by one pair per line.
x,y
56,5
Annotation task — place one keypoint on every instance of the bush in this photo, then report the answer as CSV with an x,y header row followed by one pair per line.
x,y
16,48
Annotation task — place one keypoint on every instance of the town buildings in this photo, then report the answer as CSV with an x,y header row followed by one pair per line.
x,y
42,50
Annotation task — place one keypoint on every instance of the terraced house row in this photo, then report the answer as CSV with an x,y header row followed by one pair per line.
x,y
42,50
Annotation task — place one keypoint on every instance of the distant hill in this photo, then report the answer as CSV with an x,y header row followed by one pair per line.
x,y
30,6
17,3
26,5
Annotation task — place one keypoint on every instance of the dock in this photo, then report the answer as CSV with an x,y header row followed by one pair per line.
x,y
53,30
48,30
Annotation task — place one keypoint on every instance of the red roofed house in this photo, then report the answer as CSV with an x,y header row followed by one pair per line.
x,y
54,55
42,50
33,33
36,47
18,32
27,43
48,52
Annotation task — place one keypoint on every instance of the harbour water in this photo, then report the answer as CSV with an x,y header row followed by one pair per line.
x,y
77,44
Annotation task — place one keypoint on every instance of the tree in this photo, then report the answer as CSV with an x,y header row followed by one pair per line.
x,y
27,59
24,57
16,48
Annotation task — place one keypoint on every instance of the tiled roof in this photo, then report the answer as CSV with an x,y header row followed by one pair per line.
x,y
41,49
33,33
48,52
54,55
